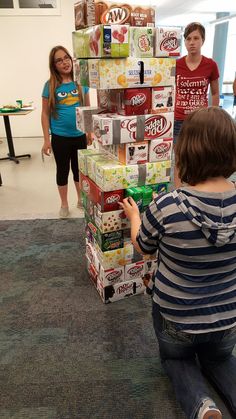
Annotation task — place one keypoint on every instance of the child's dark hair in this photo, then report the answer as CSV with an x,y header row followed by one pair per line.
x,y
194,26
206,146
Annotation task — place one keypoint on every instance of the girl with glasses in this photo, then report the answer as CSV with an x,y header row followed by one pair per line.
x,y
60,96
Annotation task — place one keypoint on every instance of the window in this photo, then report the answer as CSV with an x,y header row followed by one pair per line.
x,y
29,7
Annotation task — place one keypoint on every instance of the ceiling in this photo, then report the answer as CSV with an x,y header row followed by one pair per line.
x,y
181,12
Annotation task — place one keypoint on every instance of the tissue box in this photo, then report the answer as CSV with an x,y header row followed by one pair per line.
x,y
101,41
130,72
111,221
93,12
82,158
141,42
160,149
112,177
105,201
168,41
118,129
163,99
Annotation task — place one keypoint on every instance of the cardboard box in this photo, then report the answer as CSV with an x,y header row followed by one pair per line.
x,y
141,42
110,100
82,158
134,270
105,201
136,101
84,117
160,149
93,12
119,129
122,73
168,41
111,221
163,99
116,292
111,276
134,153
80,70
101,41
116,257
106,241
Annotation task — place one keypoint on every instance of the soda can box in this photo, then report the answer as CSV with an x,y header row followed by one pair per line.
x,y
137,101
81,73
111,221
119,129
163,99
160,149
84,117
93,274
160,188
134,270
93,12
120,290
131,72
82,158
168,41
141,42
99,158
110,100
101,41
134,153
89,251
105,201
111,276
88,204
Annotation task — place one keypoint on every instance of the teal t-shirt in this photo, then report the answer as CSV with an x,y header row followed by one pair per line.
x,y
67,99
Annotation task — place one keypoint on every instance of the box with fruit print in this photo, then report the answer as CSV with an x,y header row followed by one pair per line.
x,y
168,41
82,157
118,129
130,72
113,258
141,42
105,201
112,177
101,41
110,221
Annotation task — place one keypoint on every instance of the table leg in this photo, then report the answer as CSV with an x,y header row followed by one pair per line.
x,y
0,180
11,154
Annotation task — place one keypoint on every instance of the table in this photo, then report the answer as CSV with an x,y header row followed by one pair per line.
x,y
11,155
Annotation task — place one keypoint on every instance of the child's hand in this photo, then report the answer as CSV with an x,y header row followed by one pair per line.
x,y
130,208
47,149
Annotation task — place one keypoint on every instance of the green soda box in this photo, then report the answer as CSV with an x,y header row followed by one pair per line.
x,y
137,194
160,187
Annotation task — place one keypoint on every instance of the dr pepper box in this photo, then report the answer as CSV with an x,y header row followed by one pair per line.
x,y
105,201
137,101
160,149
163,99
94,12
168,40
101,41
115,292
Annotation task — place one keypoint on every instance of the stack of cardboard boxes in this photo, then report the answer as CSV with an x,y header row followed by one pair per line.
x,y
119,52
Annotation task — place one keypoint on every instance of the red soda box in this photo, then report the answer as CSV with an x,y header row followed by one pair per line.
x,y
105,201
137,101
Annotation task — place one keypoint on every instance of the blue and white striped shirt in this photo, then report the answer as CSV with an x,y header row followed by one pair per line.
x,y
194,233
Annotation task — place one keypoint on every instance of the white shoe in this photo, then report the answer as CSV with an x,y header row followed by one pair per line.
x,y
64,212
208,410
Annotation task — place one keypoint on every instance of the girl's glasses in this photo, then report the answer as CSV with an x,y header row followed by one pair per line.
x,y
60,61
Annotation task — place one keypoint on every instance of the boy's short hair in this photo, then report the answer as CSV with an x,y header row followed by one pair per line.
x,y
194,26
206,146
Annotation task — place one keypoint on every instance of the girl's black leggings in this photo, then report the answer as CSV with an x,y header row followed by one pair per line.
x,y
65,150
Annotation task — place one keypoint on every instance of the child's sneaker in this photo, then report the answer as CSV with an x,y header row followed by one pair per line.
x,y
208,410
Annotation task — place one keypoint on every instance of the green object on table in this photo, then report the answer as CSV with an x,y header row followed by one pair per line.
x,y
9,110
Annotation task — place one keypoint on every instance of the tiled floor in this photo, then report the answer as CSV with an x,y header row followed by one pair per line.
x,y
29,188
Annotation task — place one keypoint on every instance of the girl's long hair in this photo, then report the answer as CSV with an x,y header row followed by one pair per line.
x,y
55,79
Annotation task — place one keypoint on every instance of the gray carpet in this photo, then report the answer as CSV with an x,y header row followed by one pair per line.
x,y
63,353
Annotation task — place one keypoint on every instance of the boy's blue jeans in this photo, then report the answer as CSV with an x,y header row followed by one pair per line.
x,y
184,355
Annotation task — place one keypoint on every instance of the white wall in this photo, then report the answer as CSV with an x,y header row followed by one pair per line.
x,y
25,45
